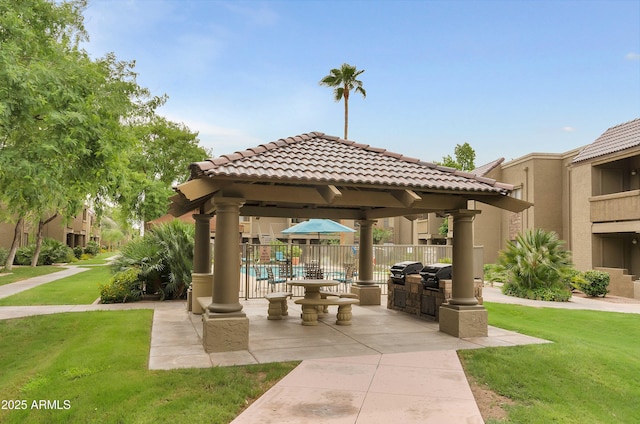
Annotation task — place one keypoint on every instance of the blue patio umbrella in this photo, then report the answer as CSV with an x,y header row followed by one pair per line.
x,y
318,226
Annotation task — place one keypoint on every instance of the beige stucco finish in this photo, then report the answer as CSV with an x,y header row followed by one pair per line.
x,y
225,332
464,321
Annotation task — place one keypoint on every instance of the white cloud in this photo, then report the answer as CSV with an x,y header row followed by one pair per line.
x,y
632,56
568,129
221,140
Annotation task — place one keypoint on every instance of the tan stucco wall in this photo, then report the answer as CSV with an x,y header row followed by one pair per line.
x,y
6,235
405,231
515,173
581,237
541,178
485,231
547,195
544,181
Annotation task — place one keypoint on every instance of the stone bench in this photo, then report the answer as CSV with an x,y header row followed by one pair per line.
x,y
326,294
277,304
204,302
310,311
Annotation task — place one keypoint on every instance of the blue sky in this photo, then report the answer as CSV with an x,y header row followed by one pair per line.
x,y
508,77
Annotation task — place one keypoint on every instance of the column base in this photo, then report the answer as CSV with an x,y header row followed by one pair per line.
x,y
368,294
225,332
464,321
201,286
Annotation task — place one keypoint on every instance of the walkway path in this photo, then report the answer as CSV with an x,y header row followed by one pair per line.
x,y
17,287
386,367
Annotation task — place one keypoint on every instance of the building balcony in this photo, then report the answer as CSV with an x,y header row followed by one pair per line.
x,y
622,206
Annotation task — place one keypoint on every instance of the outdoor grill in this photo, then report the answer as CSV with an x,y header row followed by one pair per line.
x,y
401,269
432,274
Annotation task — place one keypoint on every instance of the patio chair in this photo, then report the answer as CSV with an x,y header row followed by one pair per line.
x,y
347,277
259,276
312,271
285,270
272,280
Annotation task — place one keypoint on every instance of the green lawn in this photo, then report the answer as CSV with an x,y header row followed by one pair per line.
x,y
588,375
79,289
92,367
19,273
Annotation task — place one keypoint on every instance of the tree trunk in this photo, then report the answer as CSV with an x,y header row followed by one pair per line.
x,y
14,245
36,253
346,114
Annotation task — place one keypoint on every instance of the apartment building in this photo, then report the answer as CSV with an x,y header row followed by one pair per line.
x,y
590,196
77,232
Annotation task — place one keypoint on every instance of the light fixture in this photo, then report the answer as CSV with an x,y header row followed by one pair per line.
x,y
634,171
634,241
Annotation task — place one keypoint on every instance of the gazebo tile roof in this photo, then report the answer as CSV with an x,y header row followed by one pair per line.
x,y
316,157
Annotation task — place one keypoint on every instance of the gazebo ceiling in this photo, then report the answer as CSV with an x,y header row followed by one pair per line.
x,y
319,176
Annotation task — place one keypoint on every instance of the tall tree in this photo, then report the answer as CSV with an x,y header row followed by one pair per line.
x,y
464,160
160,159
343,80
64,133
36,37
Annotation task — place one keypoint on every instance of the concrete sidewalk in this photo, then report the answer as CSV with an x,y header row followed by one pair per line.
x,y
415,387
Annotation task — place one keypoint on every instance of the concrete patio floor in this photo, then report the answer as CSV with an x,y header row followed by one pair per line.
x,y
176,339
386,366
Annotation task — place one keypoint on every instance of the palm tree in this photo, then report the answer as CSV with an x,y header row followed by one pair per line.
x,y
536,259
344,80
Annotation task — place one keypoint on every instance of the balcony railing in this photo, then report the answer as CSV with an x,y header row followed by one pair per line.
x,y
622,206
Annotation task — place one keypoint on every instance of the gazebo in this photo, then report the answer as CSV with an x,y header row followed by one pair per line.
x,y
315,175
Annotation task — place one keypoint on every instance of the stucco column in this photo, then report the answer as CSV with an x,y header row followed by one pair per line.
x,y
201,277
365,253
368,292
463,316
226,260
462,292
225,327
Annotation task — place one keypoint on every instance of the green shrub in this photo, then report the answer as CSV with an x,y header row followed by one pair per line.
x,y
534,266
4,253
571,277
77,252
594,283
552,294
494,273
445,260
296,251
164,257
124,286
54,251
443,230
92,248
24,255
176,239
